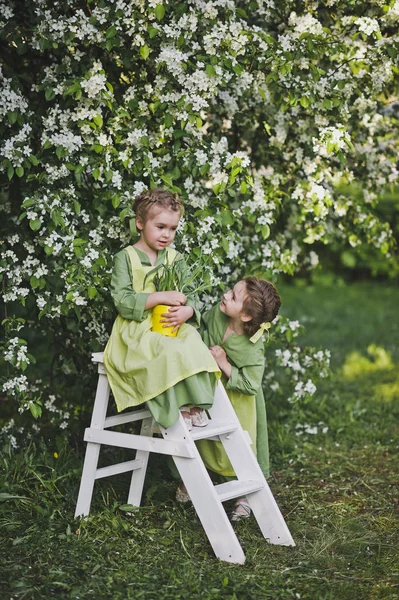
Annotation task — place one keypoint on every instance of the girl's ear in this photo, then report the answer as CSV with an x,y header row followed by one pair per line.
x,y
245,318
139,225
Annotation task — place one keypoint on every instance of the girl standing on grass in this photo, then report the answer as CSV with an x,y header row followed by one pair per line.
x,y
233,332
168,373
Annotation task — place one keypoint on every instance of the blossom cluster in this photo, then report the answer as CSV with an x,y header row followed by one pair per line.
x,y
255,120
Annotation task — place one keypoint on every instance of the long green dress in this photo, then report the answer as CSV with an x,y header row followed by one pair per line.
x,y
145,366
244,388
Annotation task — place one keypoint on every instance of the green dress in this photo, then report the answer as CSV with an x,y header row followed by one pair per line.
x,y
145,366
244,388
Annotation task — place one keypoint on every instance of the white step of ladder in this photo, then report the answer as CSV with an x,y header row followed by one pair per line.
x,y
179,443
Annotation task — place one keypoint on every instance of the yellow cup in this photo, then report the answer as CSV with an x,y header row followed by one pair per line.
x,y
157,326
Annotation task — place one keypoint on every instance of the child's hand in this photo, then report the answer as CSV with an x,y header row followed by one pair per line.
x,y
218,354
172,298
177,315
221,358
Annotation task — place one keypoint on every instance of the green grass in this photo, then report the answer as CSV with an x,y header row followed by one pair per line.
x,y
338,490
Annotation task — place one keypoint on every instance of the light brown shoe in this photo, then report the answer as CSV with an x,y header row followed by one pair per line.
x,y
182,494
241,510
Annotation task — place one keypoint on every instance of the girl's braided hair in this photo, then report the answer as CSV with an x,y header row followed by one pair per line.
x,y
156,198
262,303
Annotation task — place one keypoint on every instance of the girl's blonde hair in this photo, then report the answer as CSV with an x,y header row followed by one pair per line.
x,y
156,198
262,303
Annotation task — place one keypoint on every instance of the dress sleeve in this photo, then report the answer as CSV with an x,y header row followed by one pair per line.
x,y
129,304
247,379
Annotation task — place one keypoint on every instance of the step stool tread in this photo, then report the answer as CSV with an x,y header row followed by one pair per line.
x,y
236,489
214,428
129,417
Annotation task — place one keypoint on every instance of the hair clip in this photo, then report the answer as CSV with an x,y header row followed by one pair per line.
x,y
262,328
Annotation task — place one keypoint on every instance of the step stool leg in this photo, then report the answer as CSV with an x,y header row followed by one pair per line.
x,y
204,497
87,480
269,518
138,476
245,465
93,449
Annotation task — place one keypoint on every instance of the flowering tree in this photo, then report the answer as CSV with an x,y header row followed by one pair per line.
x,y
254,112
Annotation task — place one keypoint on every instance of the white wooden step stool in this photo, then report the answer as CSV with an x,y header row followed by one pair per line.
x,y
179,443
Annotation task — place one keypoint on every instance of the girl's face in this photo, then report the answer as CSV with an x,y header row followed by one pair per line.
x,y
159,229
233,300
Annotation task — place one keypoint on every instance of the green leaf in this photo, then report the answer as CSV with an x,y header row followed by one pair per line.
x,y
226,217
265,231
167,179
72,89
12,116
49,94
56,217
116,200
35,224
20,171
127,507
35,408
204,169
159,11
144,51
79,242
304,101
243,187
34,281
331,147
216,189
152,32
98,120
96,173
111,32
92,292
34,160
10,172
210,70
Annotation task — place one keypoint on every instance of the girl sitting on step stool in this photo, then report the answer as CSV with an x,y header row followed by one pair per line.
x,y
170,374
233,331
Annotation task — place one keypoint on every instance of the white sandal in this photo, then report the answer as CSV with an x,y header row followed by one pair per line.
x,y
241,510
185,413
199,418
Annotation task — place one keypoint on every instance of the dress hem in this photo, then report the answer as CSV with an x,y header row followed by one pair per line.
x,y
120,408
